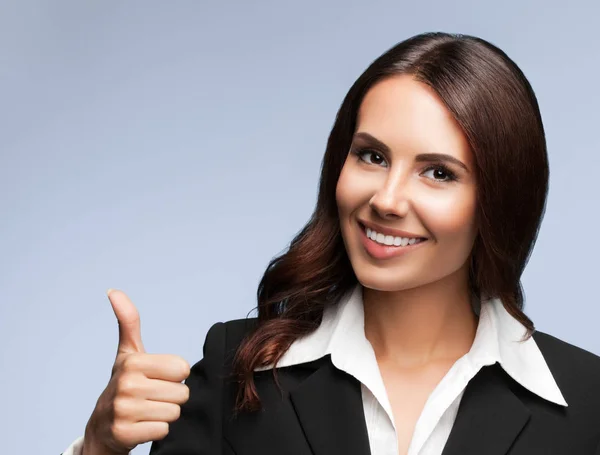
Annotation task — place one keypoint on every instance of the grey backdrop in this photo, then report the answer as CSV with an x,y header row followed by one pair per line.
x,y
171,149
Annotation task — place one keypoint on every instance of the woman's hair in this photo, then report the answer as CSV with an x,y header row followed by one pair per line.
x,y
496,107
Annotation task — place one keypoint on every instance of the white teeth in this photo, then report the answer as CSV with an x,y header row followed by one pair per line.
x,y
390,239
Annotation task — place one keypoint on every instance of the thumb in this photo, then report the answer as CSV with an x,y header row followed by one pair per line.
x,y
130,335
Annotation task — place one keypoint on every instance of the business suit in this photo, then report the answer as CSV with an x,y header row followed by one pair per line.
x,y
320,411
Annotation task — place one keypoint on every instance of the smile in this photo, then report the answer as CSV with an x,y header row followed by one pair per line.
x,y
390,240
381,246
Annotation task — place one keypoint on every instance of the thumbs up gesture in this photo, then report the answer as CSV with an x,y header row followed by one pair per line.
x,y
143,395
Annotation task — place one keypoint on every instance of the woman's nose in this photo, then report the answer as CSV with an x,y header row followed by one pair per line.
x,y
391,201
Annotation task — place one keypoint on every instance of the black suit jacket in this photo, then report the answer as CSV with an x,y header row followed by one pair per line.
x,y
319,410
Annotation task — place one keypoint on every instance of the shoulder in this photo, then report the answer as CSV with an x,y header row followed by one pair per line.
x,y
575,370
224,338
565,355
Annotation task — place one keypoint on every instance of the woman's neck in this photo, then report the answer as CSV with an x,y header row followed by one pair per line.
x,y
414,327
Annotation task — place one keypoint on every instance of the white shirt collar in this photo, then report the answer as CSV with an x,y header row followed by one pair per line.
x,y
497,339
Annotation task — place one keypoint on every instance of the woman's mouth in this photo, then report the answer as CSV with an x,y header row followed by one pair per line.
x,y
381,246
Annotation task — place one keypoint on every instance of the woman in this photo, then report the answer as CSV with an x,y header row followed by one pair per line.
x,y
395,319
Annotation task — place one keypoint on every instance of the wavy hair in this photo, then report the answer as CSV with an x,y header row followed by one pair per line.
x,y
496,108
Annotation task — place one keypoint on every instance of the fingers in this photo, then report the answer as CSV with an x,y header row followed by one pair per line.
x,y
130,337
168,392
167,367
152,389
130,435
137,410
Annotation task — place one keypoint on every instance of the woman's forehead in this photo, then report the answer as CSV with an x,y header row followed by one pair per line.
x,y
407,114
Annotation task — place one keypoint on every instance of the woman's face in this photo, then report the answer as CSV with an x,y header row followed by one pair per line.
x,y
409,177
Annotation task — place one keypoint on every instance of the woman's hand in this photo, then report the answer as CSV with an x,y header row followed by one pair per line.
x,y
143,395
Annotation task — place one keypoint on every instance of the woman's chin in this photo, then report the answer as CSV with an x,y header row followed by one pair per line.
x,y
383,284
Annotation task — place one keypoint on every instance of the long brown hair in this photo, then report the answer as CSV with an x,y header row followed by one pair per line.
x,y
496,107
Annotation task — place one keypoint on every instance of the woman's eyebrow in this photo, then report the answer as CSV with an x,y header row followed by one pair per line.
x,y
423,157
367,138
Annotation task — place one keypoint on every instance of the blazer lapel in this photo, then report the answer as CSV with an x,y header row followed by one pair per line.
x,y
490,416
329,407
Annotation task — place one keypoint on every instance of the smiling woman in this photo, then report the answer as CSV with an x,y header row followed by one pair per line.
x,y
394,323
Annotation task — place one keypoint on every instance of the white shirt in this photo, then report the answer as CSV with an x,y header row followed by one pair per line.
x,y
341,334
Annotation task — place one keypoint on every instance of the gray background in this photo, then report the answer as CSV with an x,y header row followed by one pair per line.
x,y
172,148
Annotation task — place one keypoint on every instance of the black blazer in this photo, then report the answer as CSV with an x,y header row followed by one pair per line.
x,y
319,411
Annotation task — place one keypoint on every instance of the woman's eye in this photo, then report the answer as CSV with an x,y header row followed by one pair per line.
x,y
374,157
440,174
437,173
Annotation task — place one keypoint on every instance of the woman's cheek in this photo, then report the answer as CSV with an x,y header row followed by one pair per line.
x,y
449,214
